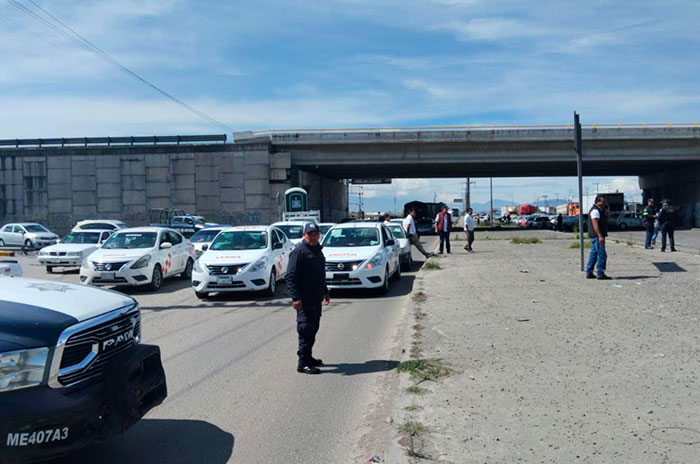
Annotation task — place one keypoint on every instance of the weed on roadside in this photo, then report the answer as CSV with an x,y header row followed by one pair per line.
x,y
416,346
420,297
432,265
412,434
525,240
413,408
577,245
432,369
416,390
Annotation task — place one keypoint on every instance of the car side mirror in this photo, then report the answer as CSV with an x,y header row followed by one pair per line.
x,y
205,247
390,242
22,232
277,246
166,245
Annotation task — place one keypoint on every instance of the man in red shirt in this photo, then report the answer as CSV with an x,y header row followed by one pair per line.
x,y
443,227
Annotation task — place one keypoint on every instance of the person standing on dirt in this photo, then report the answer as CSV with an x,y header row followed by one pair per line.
x,y
409,226
667,224
443,227
649,218
469,230
306,283
597,231
560,221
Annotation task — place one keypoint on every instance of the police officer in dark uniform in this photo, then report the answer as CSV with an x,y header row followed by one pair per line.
x,y
667,222
306,283
649,217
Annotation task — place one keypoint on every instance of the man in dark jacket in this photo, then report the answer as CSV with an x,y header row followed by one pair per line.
x,y
649,217
306,283
597,231
667,223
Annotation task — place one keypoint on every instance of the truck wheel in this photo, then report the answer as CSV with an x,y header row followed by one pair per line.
x,y
202,295
187,273
272,286
49,269
156,278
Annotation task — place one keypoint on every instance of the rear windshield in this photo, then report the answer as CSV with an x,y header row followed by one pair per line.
x,y
240,240
35,228
292,232
82,237
204,236
131,240
351,237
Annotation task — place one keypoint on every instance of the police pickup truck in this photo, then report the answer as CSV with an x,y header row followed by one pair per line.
x,y
72,368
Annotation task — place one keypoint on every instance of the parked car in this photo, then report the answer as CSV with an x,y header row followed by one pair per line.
x,y
72,249
26,234
361,255
629,221
245,258
294,230
100,224
73,370
205,237
425,226
405,257
139,256
538,222
10,267
324,227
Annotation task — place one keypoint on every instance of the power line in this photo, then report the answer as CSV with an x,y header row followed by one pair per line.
x,y
84,43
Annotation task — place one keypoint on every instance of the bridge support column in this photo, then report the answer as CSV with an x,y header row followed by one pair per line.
x,y
681,186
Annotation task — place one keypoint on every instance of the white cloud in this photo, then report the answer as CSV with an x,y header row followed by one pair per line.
x,y
490,29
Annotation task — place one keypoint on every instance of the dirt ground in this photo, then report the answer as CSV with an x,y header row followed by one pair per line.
x,y
550,367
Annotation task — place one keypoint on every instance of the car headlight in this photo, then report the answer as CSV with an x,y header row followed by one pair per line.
x,y
22,369
198,267
142,262
375,262
258,266
43,253
75,254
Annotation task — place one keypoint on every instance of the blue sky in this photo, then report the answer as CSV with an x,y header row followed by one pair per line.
x,y
352,63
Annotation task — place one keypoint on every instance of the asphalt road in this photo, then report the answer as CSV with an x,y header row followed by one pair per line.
x,y
234,393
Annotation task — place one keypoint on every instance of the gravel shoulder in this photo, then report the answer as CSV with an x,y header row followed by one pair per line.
x,y
551,367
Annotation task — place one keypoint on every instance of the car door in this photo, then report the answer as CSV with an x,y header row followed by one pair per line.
x,y
17,235
276,251
178,252
392,257
287,247
6,234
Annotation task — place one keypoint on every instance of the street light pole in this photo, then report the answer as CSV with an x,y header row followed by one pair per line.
x,y
579,169
491,188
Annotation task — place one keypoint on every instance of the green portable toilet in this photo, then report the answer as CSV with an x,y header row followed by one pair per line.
x,y
296,199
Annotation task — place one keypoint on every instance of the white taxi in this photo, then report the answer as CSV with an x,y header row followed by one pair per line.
x,y
10,267
245,258
361,255
139,256
204,237
294,230
403,244
72,249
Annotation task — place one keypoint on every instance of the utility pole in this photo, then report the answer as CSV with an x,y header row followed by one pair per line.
x,y
596,187
579,170
467,193
545,200
395,204
491,188
434,197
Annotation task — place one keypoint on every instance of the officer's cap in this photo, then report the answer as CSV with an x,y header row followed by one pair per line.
x,y
310,227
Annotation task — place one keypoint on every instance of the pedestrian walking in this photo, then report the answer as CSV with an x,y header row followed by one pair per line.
x,y
597,231
667,223
306,283
560,221
649,219
469,229
409,225
443,227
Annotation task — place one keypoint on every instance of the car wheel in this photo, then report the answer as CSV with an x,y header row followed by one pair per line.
x,y
272,286
156,279
2,243
187,273
28,244
384,289
202,295
49,269
623,226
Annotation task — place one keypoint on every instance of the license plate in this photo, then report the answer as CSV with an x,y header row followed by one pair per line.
x,y
340,277
224,280
107,276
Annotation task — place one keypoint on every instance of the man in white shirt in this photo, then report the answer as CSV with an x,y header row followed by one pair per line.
x,y
409,225
469,230
387,219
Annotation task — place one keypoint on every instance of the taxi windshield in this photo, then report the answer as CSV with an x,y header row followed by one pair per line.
x,y
204,236
240,240
325,228
352,237
82,237
292,231
131,240
397,230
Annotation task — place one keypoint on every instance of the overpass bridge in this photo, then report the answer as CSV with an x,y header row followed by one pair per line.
x,y
59,181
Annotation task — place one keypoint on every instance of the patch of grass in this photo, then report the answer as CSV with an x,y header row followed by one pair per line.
x,y
577,245
413,435
416,390
629,243
432,265
421,370
413,408
416,346
420,297
525,240
417,326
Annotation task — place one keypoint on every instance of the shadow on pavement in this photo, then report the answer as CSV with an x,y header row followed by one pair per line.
x,y
367,367
170,285
403,286
639,277
161,440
